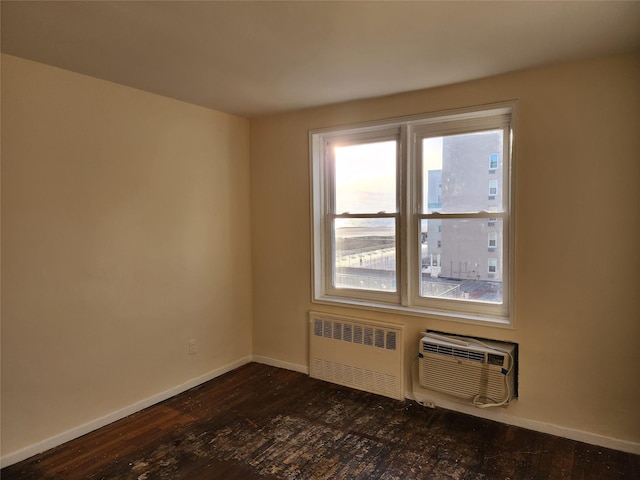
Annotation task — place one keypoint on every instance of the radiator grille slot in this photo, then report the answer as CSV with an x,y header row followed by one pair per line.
x,y
357,353
366,335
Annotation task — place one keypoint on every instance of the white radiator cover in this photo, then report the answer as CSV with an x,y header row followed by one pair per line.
x,y
357,353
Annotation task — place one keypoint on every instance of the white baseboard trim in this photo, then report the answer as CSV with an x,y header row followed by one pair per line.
x,y
501,415
281,364
44,445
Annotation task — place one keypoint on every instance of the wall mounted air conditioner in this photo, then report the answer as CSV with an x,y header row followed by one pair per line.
x,y
480,372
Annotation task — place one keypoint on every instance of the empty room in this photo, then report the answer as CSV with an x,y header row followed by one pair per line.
x,y
320,240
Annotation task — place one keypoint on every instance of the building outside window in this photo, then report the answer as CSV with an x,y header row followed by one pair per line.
x,y
401,218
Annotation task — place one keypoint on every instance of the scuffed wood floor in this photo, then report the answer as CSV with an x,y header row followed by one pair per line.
x,y
261,422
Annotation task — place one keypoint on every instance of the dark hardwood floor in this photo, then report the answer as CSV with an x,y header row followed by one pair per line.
x,y
261,422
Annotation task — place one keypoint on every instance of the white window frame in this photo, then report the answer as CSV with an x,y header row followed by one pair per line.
x,y
409,131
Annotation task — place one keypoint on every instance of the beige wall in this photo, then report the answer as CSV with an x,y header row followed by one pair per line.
x,y
577,236
125,233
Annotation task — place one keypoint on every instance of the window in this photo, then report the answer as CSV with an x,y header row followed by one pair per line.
x,y
493,162
493,239
493,188
400,215
493,266
364,227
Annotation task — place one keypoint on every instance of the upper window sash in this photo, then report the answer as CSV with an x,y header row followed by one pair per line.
x,y
420,132
330,146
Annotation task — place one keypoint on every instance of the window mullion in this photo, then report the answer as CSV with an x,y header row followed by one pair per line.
x,y
405,254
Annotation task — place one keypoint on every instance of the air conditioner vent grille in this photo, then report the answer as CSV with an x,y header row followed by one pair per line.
x,y
456,352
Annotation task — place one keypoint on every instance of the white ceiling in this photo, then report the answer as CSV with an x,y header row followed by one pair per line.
x,y
259,58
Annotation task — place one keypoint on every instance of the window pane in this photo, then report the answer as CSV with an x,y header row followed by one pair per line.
x,y
456,262
365,253
455,173
365,177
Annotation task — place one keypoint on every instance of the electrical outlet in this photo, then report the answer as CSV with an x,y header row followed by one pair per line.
x,y
193,347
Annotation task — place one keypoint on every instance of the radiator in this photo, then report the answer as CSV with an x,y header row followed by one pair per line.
x,y
357,353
